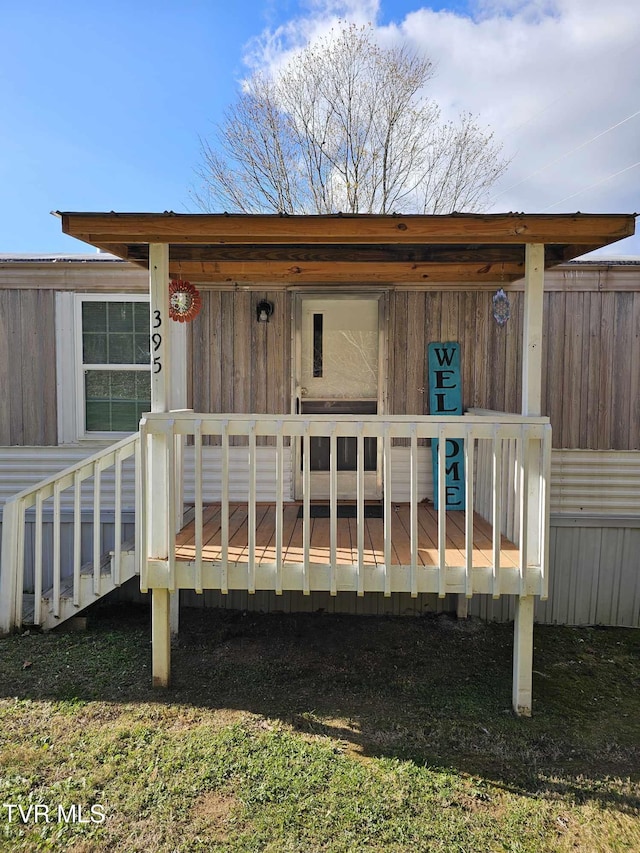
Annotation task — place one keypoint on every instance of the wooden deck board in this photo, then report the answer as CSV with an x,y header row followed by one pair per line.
x,y
347,550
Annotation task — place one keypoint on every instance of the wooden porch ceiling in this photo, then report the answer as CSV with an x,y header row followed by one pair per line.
x,y
341,248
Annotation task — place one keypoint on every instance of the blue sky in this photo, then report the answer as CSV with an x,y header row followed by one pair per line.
x,y
103,103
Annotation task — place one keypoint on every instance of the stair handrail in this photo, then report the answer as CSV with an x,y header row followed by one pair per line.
x,y
13,522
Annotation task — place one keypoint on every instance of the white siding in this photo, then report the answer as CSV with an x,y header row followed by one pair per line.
x,y
595,482
22,467
238,474
594,579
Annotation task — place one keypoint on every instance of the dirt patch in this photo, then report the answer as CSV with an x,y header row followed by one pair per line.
x,y
214,812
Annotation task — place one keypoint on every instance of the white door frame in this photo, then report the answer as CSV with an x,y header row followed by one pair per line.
x,y
382,296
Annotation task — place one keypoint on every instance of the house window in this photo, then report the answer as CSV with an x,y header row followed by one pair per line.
x,y
112,344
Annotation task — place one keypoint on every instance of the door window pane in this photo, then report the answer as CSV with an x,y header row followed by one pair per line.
x,y
340,348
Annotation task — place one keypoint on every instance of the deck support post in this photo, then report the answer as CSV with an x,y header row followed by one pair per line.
x,y
532,406
10,564
160,637
174,611
462,606
160,514
523,656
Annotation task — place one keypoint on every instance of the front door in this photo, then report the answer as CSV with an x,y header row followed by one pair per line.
x,y
338,373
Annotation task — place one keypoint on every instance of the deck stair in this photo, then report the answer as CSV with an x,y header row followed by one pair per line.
x,y
86,593
83,511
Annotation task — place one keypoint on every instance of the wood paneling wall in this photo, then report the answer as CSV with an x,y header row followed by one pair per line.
x,y
591,380
28,410
490,355
240,365
591,359
591,353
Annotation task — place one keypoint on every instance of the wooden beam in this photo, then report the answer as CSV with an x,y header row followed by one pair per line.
x,y
574,250
582,229
120,250
349,252
138,253
324,271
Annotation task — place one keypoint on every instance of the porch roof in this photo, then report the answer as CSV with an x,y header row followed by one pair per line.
x,y
347,248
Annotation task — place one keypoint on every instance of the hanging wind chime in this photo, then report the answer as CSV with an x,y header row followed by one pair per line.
x,y
501,305
184,301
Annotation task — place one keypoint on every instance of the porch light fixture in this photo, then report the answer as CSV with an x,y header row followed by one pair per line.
x,y
264,310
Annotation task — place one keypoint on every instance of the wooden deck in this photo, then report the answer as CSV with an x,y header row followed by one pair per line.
x,y
347,549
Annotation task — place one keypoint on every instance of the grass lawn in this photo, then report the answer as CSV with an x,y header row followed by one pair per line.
x,y
318,733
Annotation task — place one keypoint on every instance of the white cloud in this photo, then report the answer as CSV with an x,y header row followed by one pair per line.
x,y
547,75
272,47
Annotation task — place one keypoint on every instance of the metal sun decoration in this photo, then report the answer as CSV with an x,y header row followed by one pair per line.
x,y
501,307
184,301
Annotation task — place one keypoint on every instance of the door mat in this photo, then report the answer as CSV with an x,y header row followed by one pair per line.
x,y
344,511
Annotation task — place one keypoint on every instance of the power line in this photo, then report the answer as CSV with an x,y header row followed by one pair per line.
x,y
562,96
591,186
567,154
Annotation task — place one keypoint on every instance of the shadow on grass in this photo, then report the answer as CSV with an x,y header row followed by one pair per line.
x,y
429,690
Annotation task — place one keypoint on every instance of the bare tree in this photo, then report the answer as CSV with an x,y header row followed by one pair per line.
x,y
345,126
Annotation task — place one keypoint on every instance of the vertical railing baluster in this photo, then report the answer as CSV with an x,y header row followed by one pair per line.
x,y
142,521
12,574
178,509
469,449
360,507
251,514
545,494
484,484
442,511
386,481
56,549
514,534
496,509
511,488
37,568
77,537
306,512
19,590
525,461
414,510
117,558
137,503
97,525
279,505
333,509
197,453
224,561
170,450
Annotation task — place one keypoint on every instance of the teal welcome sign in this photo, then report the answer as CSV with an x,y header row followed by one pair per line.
x,y
445,398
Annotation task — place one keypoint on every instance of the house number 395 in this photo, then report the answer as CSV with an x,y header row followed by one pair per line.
x,y
156,341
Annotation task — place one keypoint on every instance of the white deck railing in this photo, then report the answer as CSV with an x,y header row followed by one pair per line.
x,y
521,487
95,482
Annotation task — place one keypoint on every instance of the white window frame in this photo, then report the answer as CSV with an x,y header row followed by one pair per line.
x,y
70,367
